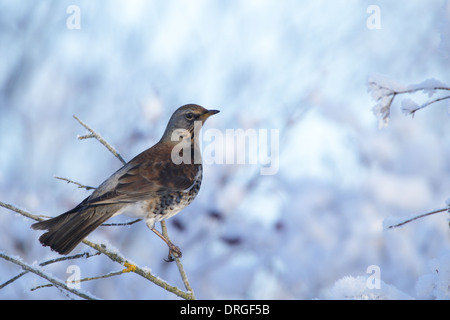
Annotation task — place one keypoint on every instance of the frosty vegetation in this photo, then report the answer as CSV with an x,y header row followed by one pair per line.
x,y
330,224
436,284
384,90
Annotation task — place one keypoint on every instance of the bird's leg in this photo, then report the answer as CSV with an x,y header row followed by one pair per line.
x,y
174,251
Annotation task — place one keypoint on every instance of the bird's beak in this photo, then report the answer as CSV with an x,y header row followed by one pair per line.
x,y
207,114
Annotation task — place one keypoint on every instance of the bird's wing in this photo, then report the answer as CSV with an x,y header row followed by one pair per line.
x,y
143,178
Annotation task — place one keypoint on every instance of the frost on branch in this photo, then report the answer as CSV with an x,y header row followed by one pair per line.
x,y
384,90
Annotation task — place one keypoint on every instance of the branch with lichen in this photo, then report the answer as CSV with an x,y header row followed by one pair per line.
x,y
114,256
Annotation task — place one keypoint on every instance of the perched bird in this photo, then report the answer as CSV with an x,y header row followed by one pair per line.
x,y
153,186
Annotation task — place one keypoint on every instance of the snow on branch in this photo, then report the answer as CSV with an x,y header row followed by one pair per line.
x,y
384,90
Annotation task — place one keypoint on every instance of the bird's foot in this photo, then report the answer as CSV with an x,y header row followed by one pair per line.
x,y
174,252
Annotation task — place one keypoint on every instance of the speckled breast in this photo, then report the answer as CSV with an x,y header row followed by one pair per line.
x,y
170,204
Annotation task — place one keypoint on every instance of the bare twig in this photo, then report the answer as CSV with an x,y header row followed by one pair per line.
x,y
100,139
108,275
4,284
418,217
72,257
82,186
395,92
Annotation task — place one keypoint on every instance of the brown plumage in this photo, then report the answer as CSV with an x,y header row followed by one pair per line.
x,y
153,186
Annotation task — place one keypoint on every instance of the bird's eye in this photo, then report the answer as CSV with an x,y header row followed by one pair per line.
x,y
189,116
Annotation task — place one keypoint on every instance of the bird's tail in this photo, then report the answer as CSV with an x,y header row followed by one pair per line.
x,y
66,231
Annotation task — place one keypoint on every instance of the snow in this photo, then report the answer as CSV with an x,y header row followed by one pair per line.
x,y
436,283
308,231
356,288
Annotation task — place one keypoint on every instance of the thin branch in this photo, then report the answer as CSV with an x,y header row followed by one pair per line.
x,y
178,262
100,139
120,224
418,217
20,211
12,279
129,268
108,275
72,257
76,256
81,186
413,111
145,273
420,89
47,277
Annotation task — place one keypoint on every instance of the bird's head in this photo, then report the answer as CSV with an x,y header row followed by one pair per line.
x,y
185,119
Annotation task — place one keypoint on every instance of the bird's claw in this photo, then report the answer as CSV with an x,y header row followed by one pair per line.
x,y
174,252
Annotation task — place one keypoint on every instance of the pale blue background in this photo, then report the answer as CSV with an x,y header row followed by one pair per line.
x,y
297,66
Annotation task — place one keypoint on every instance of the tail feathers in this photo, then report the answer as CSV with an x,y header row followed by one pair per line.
x,y
66,231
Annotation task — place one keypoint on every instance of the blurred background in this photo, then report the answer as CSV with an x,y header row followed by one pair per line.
x,y
300,67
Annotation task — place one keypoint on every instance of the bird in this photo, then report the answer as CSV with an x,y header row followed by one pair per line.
x,y
154,186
